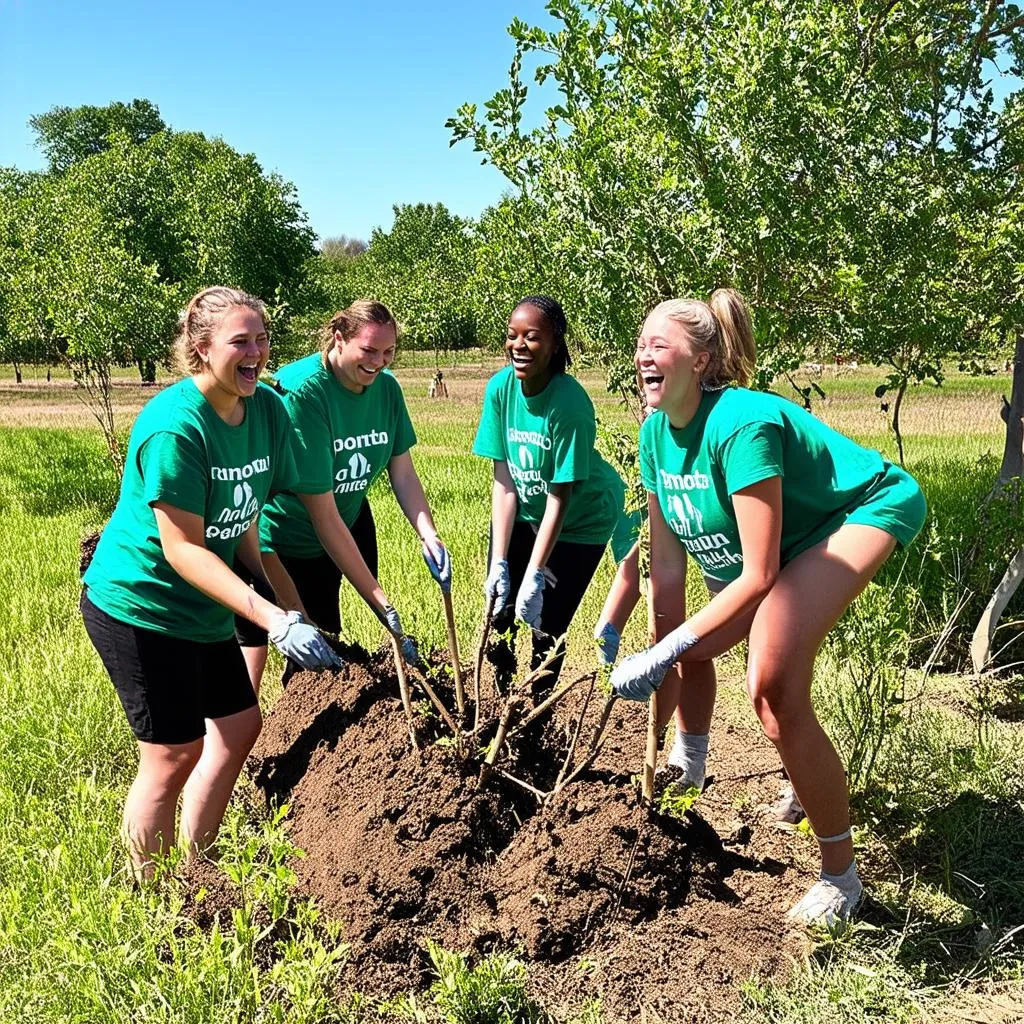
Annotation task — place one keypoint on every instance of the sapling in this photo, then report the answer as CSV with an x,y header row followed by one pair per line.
x,y
453,650
403,689
516,698
488,618
441,709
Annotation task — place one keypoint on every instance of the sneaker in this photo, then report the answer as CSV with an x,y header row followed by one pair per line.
x,y
826,905
787,808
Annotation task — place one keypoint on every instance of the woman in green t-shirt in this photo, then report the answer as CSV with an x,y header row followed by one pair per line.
x,y
555,501
350,418
159,593
788,520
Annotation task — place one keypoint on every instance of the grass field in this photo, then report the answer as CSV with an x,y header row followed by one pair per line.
x,y
942,815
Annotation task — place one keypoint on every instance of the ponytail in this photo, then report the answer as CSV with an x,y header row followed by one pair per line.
x,y
722,328
738,351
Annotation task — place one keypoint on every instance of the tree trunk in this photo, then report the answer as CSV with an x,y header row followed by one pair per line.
x,y
1013,448
17,372
1012,466
897,405
147,370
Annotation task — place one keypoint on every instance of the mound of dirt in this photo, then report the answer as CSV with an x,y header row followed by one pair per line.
x,y
650,913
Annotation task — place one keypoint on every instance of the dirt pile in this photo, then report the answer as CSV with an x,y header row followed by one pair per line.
x,y
607,899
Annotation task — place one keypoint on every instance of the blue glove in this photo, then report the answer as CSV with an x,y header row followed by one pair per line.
x,y
607,637
498,585
302,643
439,562
641,674
408,646
530,599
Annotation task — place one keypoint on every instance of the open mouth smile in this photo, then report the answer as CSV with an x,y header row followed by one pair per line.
x,y
250,372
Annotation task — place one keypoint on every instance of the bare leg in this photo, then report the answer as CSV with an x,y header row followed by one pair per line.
x,y
689,690
148,823
811,593
255,662
209,787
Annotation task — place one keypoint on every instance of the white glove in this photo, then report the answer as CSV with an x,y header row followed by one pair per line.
x,y
407,644
498,585
641,674
302,642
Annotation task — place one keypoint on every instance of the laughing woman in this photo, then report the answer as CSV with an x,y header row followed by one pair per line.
x,y
554,501
788,520
352,424
204,456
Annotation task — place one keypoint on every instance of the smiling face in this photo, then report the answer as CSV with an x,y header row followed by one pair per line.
x,y
358,362
530,343
236,352
670,367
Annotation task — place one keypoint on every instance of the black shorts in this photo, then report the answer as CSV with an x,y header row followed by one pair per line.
x,y
168,686
318,581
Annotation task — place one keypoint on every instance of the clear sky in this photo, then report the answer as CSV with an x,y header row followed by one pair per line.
x,y
346,99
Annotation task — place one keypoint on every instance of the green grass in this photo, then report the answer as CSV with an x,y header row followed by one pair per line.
x,y
942,821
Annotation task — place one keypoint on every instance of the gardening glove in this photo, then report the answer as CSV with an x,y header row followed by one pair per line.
x,y
302,643
530,599
607,637
641,674
497,585
408,646
439,562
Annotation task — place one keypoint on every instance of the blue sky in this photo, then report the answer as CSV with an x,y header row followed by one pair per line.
x,y
347,100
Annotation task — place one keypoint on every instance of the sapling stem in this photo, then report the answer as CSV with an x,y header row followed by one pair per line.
x,y
519,782
453,650
403,689
576,732
441,709
488,616
651,756
513,702
595,746
651,753
511,706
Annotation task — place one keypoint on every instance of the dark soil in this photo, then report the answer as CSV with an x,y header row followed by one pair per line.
x,y
654,915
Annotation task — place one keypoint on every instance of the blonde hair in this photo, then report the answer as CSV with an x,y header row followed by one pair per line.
x,y
351,320
200,318
721,327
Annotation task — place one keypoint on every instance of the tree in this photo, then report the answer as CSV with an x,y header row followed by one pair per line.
x,y
70,134
342,247
815,155
421,268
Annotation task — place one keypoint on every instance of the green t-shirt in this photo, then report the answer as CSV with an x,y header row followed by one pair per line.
x,y
345,442
738,438
183,454
549,439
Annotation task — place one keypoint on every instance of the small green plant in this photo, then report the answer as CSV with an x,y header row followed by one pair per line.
x,y
492,992
675,800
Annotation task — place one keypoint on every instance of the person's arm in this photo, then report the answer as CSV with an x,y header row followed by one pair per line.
x,y
184,546
405,482
504,503
758,510
267,567
339,544
555,509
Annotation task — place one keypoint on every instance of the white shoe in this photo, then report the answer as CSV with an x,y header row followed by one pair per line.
x,y
787,808
826,904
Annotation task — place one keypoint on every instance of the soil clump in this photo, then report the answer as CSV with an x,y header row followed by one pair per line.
x,y
650,913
